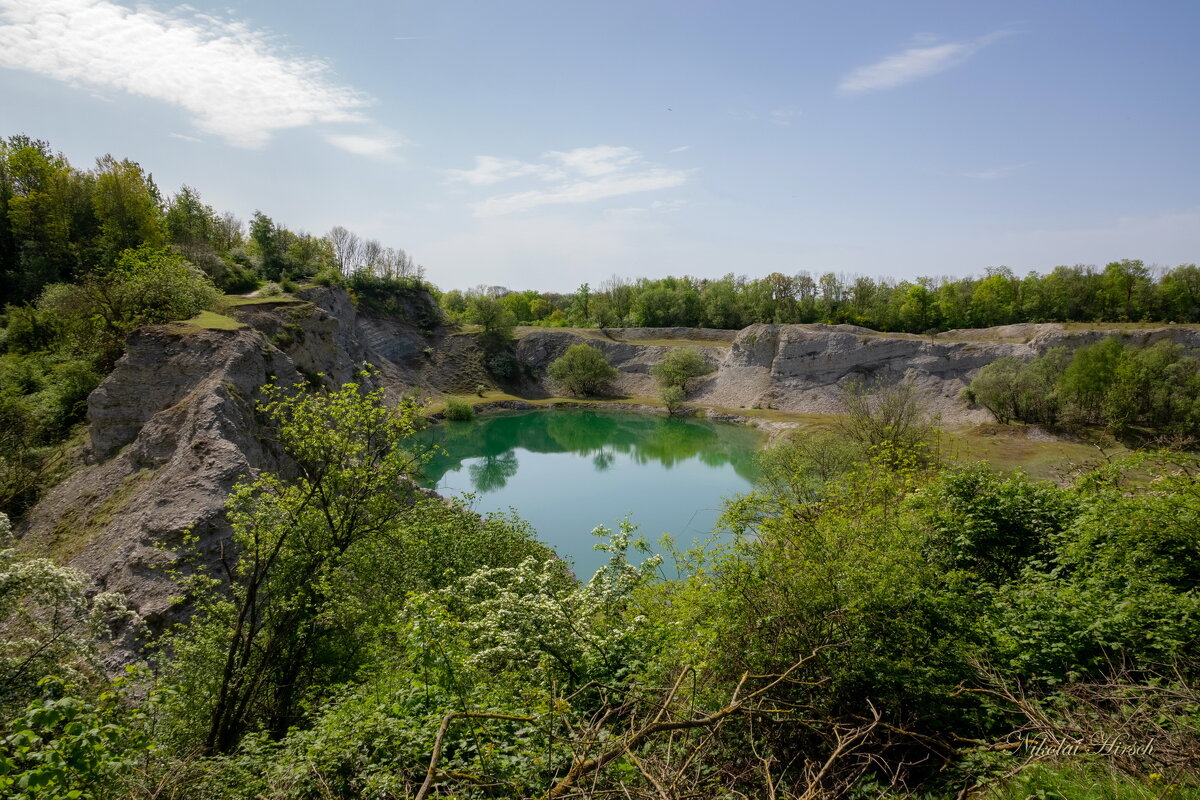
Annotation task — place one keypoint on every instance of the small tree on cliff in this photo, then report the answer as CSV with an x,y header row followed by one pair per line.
x,y
583,370
679,366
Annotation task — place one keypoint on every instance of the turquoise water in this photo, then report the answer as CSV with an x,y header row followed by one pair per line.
x,y
567,471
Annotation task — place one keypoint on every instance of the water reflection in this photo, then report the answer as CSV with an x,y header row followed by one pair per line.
x,y
495,440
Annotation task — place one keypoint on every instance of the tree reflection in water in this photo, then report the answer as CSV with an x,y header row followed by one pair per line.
x,y
494,441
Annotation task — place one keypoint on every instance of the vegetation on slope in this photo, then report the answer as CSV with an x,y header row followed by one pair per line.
x,y
879,624
1153,390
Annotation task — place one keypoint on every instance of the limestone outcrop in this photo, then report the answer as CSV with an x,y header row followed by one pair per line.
x,y
174,427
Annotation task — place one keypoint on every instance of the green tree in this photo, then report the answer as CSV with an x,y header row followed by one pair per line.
x,y
679,366
128,208
143,287
285,627
583,370
494,317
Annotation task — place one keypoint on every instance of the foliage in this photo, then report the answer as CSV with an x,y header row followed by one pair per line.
x,y
322,560
50,623
1106,383
583,370
679,366
504,365
65,747
496,320
887,417
672,397
458,410
145,286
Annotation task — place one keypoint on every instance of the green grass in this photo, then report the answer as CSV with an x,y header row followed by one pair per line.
x,y
235,300
209,320
675,342
1094,781
1123,326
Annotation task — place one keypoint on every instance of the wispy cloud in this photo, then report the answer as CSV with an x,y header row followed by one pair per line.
x,y
382,147
680,149
783,116
236,82
920,60
582,175
994,173
185,137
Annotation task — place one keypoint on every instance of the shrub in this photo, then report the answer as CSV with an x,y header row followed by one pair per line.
x,y
583,370
503,365
672,397
145,286
459,410
679,366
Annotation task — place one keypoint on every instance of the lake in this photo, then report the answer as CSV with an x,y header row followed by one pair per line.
x,y
568,470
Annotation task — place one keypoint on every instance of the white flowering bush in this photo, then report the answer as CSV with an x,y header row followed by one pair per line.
x,y
536,617
48,623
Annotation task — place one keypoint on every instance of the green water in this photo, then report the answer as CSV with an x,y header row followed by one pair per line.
x,y
567,471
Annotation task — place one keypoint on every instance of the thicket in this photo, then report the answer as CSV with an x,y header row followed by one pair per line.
x,y
878,624
1127,389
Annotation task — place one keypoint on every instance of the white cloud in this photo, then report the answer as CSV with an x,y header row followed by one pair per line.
x,y
236,82
380,147
185,137
582,175
680,149
489,170
920,60
592,162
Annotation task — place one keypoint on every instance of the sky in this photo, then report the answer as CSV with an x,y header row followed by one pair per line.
x,y
543,144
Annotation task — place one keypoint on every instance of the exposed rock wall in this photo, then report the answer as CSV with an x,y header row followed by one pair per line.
x,y
803,368
174,427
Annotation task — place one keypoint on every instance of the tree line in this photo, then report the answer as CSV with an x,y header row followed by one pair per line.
x,y
59,223
1122,291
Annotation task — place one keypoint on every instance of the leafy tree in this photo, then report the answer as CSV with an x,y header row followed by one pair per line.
x,y
672,397
145,286
889,418
1086,381
583,370
284,627
679,366
269,240
128,208
495,319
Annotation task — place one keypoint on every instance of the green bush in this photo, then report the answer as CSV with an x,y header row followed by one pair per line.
x,y
583,370
503,365
679,366
672,397
459,410
145,286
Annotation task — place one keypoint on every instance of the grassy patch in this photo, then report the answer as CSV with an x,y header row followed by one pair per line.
x,y
675,342
211,321
1087,782
1008,448
235,300
1124,326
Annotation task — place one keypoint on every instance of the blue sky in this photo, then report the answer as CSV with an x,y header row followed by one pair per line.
x,y
545,144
